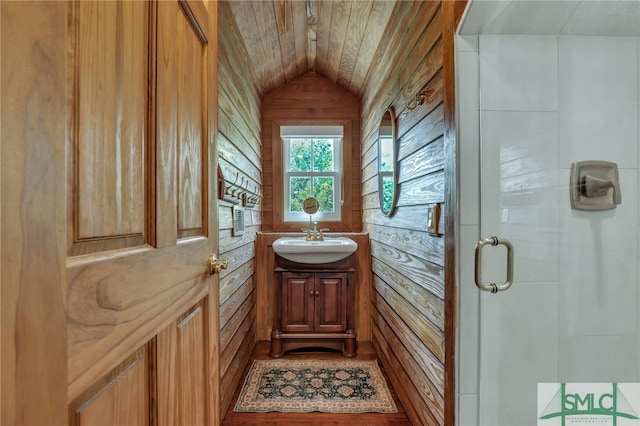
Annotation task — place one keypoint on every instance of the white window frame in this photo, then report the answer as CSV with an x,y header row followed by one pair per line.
x,y
313,132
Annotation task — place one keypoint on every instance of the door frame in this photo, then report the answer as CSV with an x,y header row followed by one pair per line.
x,y
452,12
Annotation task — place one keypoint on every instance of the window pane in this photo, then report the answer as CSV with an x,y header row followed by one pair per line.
x,y
323,155
300,155
323,190
300,188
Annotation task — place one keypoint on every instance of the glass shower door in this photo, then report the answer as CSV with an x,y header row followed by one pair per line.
x,y
518,255
571,314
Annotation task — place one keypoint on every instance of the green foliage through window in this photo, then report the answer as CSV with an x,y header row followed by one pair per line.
x,y
387,191
312,173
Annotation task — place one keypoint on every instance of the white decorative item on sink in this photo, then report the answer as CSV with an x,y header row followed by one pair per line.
x,y
326,251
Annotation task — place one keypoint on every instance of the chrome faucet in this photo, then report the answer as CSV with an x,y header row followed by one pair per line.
x,y
314,234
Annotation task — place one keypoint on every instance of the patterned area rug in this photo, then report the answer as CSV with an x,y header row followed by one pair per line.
x,y
330,386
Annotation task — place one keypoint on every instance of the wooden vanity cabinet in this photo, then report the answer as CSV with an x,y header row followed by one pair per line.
x,y
314,302
313,308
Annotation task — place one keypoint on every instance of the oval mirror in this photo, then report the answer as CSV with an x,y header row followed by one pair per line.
x,y
310,205
387,158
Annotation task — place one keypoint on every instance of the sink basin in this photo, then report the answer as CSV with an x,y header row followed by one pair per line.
x,y
302,251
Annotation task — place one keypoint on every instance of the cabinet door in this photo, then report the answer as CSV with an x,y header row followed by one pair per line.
x,y
331,302
297,302
181,371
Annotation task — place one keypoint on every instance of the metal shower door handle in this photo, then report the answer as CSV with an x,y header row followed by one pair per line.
x,y
494,241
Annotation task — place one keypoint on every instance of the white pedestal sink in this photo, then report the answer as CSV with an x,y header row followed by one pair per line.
x,y
302,251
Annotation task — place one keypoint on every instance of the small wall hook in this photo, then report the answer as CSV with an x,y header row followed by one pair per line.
x,y
419,99
415,104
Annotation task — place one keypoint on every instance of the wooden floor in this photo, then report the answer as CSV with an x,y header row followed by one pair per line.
x,y
365,352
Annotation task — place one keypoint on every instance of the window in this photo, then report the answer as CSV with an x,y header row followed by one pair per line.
x,y
312,168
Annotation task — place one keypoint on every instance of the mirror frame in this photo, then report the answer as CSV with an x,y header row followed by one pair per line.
x,y
394,160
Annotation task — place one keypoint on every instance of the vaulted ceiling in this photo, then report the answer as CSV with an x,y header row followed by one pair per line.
x,y
339,38
335,38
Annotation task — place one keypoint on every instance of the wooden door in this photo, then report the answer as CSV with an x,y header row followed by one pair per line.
x,y
141,203
330,302
297,302
104,228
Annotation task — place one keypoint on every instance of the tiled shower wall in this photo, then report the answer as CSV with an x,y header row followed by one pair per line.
x,y
529,106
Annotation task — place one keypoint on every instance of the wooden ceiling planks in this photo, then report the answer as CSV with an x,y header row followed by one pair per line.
x,y
283,12
268,33
376,25
323,35
246,22
360,12
335,38
299,19
340,17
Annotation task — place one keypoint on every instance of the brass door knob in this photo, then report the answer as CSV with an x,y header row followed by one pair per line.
x,y
215,264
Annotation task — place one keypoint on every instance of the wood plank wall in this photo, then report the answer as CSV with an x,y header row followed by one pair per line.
x,y
238,155
408,299
306,100
310,99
